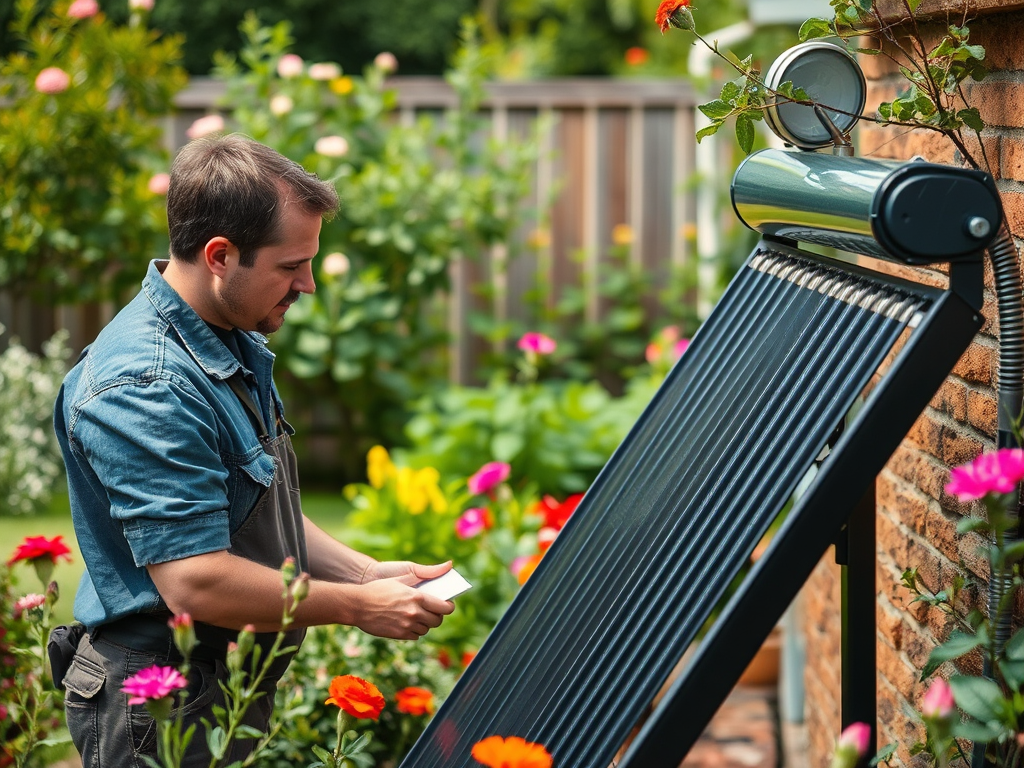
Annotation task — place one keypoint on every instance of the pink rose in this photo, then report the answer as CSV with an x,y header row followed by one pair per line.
x,y
158,183
331,146
140,5
204,126
853,744
290,65
537,343
324,71
471,523
488,476
386,62
998,472
154,682
938,700
52,80
83,9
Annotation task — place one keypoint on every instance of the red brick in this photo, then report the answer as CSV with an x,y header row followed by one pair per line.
x,y
982,412
977,364
1000,102
951,399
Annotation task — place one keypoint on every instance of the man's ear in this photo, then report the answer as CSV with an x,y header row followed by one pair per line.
x,y
219,254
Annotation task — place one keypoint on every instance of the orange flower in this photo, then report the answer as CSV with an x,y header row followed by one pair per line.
x,y
513,752
356,697
525,568
636,56
415,701
674,13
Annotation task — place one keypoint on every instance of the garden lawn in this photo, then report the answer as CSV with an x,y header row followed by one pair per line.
x,y
327,510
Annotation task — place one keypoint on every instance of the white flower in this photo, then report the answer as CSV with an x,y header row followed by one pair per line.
x,y
281,104
331,146
335,264
324,71
204,126
386,62
290,65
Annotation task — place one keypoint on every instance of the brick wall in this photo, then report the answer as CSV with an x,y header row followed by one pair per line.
x,y
916,521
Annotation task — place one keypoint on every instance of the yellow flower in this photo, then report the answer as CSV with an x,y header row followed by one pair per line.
x,y
342,85
379,468
622,234
418,489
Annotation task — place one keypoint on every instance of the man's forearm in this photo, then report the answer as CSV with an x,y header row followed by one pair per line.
x,y
331,560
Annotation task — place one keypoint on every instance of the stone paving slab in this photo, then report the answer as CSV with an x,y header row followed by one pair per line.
x,y
743,733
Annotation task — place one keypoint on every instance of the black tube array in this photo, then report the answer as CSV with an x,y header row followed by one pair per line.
x,y
674,515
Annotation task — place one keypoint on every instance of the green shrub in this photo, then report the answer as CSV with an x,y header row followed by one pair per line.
x,y
79,143
30,464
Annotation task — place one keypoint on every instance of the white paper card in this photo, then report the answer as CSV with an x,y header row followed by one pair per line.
x,y
445,587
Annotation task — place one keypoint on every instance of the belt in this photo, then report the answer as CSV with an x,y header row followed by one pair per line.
x,y
150,632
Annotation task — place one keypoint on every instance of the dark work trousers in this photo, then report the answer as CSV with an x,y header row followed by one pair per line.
x,y
111,734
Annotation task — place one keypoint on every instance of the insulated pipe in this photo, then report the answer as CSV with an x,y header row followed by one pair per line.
x,y
1010,381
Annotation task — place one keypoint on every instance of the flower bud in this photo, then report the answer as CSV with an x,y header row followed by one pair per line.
x,y
184,633
300,587
52,593
288,571
938,700
235,657
246,640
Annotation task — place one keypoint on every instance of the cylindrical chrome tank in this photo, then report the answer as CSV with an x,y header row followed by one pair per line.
x,y
914,212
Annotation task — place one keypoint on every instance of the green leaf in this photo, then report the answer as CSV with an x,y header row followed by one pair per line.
x,y
912,4
1014,649
1013,673
979,697
325,757
969,524
956,646
248,732
709,130
731,90
716,110
971,117
815,28
745,131
976,732
216,740
884,754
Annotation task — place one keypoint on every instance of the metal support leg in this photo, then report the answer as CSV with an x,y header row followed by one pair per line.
x,y
859,598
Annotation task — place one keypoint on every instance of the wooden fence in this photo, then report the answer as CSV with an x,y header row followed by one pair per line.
x,y
617,152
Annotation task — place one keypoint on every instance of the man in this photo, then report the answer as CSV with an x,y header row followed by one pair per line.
x,y
183,485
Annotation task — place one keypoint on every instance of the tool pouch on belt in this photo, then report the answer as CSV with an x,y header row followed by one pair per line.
x,y
61,649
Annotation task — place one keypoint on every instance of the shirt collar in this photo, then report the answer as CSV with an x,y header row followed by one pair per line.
x,y
201,342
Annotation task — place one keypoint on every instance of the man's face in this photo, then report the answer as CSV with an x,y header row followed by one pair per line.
x,y
256,298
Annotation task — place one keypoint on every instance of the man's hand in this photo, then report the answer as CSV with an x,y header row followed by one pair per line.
x,y
393,607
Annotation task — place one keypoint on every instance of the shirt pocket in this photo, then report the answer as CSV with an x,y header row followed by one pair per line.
x,y
249,477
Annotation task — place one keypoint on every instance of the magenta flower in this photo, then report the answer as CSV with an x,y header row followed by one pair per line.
x,y
998,472
471,523
83,9
27,603
52,80
537,343
938,700
856,736
488,476
680,347
154,682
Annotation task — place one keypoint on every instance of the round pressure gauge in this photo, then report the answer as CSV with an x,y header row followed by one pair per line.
x,y
831,77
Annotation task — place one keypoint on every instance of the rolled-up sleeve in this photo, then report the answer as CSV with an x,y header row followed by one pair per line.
x,y
154,448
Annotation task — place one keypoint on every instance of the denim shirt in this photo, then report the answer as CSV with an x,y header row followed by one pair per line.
x,y
163,460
